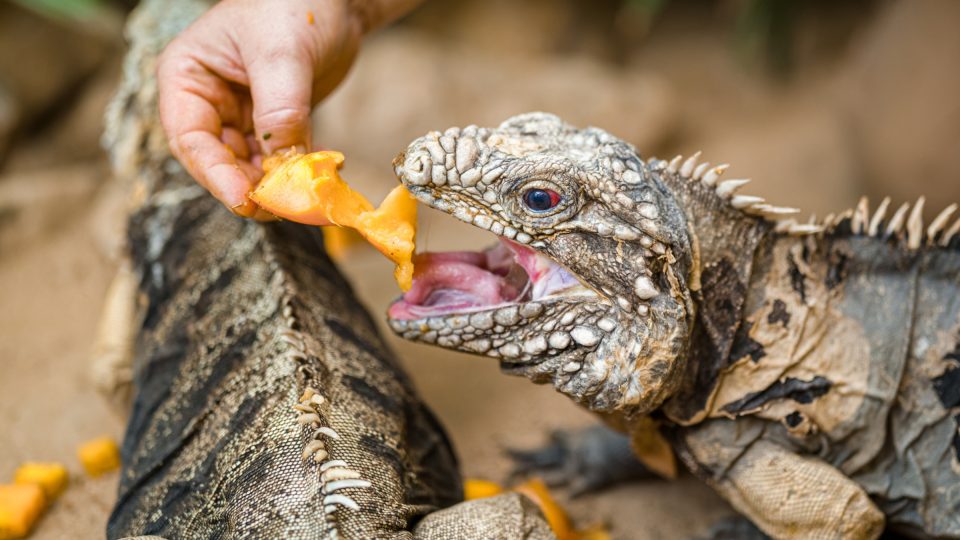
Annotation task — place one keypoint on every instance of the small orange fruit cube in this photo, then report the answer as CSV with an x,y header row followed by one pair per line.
x,y
474,488
51,477
20,507
99,456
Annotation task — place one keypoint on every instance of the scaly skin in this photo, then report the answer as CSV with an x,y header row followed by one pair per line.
x,y
265,403
808,372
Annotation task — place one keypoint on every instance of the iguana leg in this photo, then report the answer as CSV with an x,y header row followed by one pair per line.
x,y
508,516
585,460
112,363
793,496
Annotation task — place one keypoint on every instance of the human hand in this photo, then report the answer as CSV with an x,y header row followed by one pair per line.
x,y
240,82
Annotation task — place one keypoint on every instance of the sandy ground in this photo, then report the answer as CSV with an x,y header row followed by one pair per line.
x,y
814,142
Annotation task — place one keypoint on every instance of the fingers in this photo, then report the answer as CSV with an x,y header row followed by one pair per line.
x,y
281,87
192,105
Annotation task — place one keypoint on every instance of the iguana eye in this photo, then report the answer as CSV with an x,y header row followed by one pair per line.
x,y
541,200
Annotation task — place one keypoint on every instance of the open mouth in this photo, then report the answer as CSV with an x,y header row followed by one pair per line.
x,y
458,282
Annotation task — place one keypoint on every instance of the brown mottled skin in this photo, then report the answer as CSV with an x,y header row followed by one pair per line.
x,y
266,405
807,372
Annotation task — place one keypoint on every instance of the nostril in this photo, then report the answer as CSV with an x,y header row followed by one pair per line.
x,y
417,168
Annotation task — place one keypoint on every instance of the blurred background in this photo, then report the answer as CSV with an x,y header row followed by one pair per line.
x,y
818,102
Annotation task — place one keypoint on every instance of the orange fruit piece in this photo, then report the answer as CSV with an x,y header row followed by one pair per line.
x,y
474,488
558,519
99,456
51,477
20,507
307,188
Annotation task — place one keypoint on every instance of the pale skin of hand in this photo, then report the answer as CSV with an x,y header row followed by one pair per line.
x,y
240,82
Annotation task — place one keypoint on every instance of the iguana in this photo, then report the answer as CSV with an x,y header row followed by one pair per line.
x,y
265,403
808,372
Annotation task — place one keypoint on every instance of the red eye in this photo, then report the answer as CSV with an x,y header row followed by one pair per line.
x,y
541,200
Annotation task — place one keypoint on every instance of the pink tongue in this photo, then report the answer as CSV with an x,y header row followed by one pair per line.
x,y
454,278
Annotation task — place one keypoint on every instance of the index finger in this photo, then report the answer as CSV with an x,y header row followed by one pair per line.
x,y
193,126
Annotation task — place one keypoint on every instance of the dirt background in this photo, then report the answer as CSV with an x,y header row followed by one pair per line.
x,y
818,104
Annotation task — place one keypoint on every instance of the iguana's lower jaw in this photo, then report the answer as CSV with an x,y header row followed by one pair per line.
x,y
484,301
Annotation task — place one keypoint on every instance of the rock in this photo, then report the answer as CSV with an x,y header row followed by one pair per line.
x,y
903,102
404,85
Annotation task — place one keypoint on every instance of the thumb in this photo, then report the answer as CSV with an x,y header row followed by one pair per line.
x,y
281,91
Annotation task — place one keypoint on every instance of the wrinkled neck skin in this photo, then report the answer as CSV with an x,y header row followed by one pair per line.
x,y
724,242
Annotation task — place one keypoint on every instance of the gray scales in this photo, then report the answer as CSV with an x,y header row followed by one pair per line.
x,y
265,404
807,371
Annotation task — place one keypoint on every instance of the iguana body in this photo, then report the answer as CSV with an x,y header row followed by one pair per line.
x,y
266,404
808,372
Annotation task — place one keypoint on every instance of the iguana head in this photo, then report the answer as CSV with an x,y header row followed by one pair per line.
x,y
587,287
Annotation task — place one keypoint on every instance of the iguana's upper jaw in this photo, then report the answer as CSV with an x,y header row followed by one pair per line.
x,y
462,282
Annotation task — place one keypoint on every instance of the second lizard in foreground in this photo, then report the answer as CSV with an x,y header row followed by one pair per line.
x,y
809,372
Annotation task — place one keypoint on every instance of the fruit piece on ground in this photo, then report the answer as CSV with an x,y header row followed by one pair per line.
x,y
51,477
537,491
307,188
474,488
99,456
20,507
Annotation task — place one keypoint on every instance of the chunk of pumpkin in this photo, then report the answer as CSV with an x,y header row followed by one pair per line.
x,y
51,477
99,456
20,507
558,519
307,188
